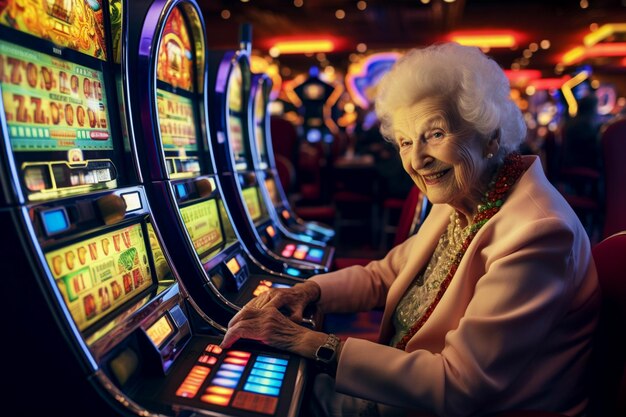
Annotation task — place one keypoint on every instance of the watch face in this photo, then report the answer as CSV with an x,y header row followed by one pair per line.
x,y
325,353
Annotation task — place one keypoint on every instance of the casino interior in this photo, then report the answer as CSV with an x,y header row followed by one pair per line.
x,y
165,162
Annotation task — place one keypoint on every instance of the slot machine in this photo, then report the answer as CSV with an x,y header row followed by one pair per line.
x,y
265,168
166,68
230,74
101,324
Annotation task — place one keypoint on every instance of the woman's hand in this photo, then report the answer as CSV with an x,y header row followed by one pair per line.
x,y
270,327
290,301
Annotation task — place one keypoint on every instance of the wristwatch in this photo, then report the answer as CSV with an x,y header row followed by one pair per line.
x,y
326,355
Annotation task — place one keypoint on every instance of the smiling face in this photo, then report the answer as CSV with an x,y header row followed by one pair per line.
x,y
443,155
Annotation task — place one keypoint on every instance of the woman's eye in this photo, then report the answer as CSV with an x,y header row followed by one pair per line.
x,y
405,142
436,135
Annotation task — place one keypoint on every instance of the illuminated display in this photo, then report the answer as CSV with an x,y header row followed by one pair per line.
x,y
235,137
270,231
52,104
259,115
233,266
159,331
96,275
75,24
175,60
160,263
235,87
251,198
203,225
178,133
115,14
270,184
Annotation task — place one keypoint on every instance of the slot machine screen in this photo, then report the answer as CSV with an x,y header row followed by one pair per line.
x,y
97,275
235,118
259,124
175,98
203,225
75,24
58,123
251,197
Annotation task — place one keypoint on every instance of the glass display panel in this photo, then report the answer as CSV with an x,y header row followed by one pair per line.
x,y
251,197
235,90
98,274
51,104
175,100
259,124
75,24
162,268
235,136
115,15
175,62
203,225
178,133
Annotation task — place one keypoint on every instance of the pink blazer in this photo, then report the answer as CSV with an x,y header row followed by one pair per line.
x,y
512,331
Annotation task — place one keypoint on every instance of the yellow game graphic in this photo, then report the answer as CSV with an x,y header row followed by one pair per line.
x,y
96,275
175,61
115,13
160,263
75,24
251,198
52,104
203,225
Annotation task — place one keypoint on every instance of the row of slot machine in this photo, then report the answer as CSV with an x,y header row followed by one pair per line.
x,y
140,209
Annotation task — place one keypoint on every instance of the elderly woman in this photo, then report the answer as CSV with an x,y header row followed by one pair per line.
x,y
492,304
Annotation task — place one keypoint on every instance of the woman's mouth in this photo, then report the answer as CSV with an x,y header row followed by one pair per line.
x,y
434,178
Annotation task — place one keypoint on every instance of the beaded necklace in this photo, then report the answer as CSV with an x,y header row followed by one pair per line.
x,y
511,170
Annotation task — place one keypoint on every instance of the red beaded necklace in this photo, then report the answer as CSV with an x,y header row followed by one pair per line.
x,y
511,170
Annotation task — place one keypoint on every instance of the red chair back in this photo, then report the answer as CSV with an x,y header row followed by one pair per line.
x,y
414,211
284,137
614,150
608,370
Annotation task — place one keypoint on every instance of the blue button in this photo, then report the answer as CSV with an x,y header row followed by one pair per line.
x,y
316,253
275,361
261,389
293,272
269,367
265,381
267,374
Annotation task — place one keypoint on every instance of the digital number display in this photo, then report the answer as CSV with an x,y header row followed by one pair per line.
x,y
177,122
160,331
98,274
52,104
203,225
233,266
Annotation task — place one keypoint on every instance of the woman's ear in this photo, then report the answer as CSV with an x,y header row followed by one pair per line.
x,y
493,144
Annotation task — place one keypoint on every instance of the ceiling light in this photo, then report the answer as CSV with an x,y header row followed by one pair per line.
x,y
567,88
603,32
305,46
484,39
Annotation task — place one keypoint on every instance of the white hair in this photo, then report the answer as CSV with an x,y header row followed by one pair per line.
x,y
463,76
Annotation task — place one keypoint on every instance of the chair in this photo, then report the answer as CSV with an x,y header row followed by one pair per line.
x,y
613,142
414,211
608,366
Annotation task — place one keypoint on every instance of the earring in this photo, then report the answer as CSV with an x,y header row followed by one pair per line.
x,y
489,155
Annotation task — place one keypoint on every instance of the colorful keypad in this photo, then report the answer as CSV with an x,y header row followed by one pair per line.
x,y
231,385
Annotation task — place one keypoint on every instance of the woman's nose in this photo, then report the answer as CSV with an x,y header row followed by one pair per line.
x,y
419,156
